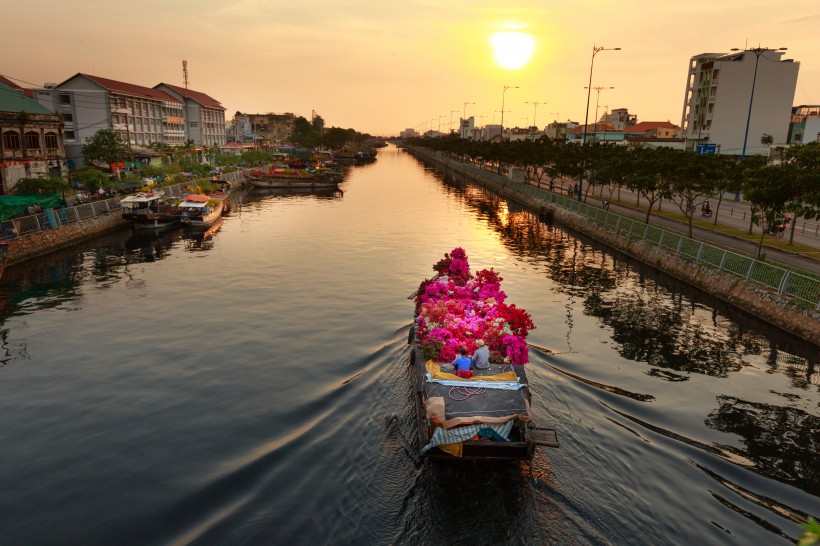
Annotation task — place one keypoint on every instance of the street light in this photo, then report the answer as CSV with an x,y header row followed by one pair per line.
x,y
597,98
758,51
502,109
595,51
534,111
464,113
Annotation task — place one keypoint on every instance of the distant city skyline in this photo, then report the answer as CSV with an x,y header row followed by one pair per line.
x,y
380,68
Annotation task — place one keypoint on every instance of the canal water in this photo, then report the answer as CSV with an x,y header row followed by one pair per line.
x,y
252,386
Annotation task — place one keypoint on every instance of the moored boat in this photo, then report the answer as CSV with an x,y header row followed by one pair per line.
x,y
278,178
486,416
150,210
201,211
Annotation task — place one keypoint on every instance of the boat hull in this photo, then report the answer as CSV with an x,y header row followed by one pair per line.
x,y
203,221
152,221
294,183
521,448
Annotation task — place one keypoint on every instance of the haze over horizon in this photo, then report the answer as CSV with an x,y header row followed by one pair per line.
x,y
380,68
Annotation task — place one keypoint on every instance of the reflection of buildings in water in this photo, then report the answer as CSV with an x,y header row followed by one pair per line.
x,y
782,441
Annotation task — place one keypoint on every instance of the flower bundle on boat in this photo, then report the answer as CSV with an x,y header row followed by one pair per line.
x,y
456,309
486,416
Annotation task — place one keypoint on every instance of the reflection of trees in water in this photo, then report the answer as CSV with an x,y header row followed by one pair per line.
x,y
783,442
650,330
654,318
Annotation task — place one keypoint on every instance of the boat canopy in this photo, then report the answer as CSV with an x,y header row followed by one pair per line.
x,y
199,198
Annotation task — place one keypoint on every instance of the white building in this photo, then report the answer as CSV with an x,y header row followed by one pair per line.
x,y
718,91
204,115
466,127
408,133
87,104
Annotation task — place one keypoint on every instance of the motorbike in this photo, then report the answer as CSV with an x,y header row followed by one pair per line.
x,y
775,231
706,212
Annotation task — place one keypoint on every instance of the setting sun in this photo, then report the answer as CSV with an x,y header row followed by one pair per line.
x,y
512,50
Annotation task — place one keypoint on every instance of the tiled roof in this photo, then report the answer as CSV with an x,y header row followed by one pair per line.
x,y
645,126
26,92
196,96
130,88
13,100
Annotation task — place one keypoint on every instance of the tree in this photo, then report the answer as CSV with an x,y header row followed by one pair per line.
x,y
770,189
91,178
42,185
693,179
107,146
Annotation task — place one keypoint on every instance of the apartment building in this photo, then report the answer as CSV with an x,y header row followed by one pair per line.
x,y
719,87
88,103
805,124
204,115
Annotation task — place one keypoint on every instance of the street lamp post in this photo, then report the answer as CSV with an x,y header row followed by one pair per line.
x,y
502,109
534,111
595,51
597,99
758,51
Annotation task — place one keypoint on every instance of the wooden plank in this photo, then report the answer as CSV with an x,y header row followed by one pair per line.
x,y
546,437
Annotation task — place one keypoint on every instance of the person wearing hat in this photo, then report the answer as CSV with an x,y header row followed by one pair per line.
x,y
481,356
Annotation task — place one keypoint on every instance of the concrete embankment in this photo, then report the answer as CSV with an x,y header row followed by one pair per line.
x,y
39,243
776,309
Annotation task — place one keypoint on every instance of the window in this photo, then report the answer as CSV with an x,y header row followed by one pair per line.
x,y
32,140
68,118
11,140
51,141
65,98
69,135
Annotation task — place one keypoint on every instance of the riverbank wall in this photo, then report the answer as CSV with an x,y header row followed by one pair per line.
x,y
776,309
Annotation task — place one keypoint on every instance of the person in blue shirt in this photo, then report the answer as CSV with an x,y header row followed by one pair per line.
x,y
461,365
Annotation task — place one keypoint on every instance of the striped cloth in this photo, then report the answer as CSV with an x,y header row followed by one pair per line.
x,y
464,433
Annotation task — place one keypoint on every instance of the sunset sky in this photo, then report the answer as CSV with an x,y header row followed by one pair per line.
x,y
380,67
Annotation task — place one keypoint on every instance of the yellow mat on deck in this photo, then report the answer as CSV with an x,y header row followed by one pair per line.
x,y
435,371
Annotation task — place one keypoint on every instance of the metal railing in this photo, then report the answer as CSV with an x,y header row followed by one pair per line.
x,y
804,288
53,218
56,217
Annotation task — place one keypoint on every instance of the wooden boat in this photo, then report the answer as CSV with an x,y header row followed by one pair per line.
x,y
488,416
151,210
302,179
202,211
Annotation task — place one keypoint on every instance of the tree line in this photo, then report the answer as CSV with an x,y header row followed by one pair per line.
x,y
790,184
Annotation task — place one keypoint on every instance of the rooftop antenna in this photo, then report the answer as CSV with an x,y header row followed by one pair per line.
x,y
185,73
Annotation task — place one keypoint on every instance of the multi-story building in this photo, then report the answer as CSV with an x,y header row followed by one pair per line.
x,y
31,139
620,119
466,127
408,133
805,124
270,129
719,87
204,115
87,104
